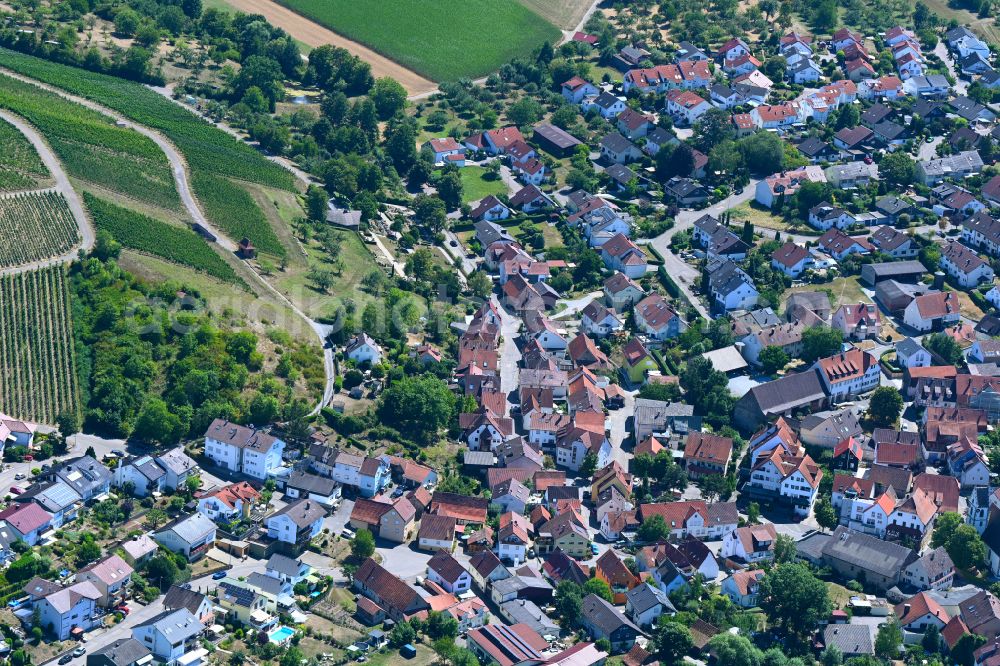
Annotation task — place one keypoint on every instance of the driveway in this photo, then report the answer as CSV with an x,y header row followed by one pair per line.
x,y
576,305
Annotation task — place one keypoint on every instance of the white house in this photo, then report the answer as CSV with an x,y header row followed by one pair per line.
x,y
938,309
61,609
911,354
241,449
849,374
447,572
751,543
169,634
191,536
297,523
965,265
743,586
686,107
363,349
598,321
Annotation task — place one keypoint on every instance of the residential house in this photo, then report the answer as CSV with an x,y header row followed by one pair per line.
x,y
655,317
191,536
170,634
610,568
297,523
743,587
933,311
791,259
602,620
858,321
228,503
121,652
446,571
752,543
243,450
396,598
849,374
110,575
645,603
963,264
64,610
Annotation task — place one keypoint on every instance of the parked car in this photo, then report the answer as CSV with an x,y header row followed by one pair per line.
x,y
80,651
122,608
66,658
20,476
16,490
118,452
219,575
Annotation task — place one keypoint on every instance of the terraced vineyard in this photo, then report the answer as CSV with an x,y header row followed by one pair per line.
x,y
34,226
91,147
204,146
20,166
38,377
143,233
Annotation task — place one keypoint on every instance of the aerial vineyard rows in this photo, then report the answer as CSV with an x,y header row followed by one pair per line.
x,y
235,212
92,147
20,166
204,146
139,232
37,374
33,226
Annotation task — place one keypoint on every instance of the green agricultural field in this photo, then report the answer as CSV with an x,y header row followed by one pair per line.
x,y
143,233
91,147
20,166
443,40
233,209
35,226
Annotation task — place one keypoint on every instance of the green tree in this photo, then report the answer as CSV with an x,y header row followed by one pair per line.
x,y
402,634
734,650
753,513
784,549
525,111
966,548
430,212
820,341
708,390
945,347
898,169
389,97
962,652
826,516
441,625
653,529
931,642
449,188
480,284
589,465
794,600
156,423
162,572
362,545
889,640
88,551
417,406
944,528
885,406
674,161
671,642
600,588
568,602
772,359
316,199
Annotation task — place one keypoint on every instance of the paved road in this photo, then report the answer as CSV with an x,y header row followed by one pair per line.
x,y
459,251
62,186
576,305
941,51
510,355
928,151
685,275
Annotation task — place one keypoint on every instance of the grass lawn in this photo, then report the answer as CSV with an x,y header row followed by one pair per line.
x,y
968,308
391,657
839,595
475,186
443,40
759,217
356,262
844,290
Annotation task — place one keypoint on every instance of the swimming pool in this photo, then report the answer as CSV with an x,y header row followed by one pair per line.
x,y
281,635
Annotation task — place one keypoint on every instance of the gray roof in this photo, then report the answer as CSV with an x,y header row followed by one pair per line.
x,y
488,233
850,639
616,143
936,562
867,552
53,497
960,162
908,347
265,583
176,461
311,483
606,100
122,652
602,615
726,277
525,611
180,597
284,565
190,528
176,625
889,268
891,205
645,596
84,474
148,468
810,547
621,174
788,392
237,594
302,513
